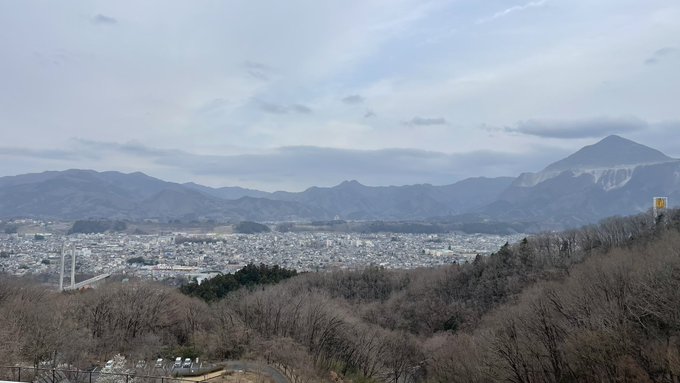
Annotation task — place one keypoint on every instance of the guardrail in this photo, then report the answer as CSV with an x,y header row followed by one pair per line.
x,y
57,375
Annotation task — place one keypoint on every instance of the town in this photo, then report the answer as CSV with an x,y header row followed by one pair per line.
x,y
180,255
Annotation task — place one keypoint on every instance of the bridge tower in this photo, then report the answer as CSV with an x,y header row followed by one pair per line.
x,y
64,251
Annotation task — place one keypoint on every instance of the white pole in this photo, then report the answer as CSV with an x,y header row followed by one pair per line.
x,y
656,213
73,268
61,272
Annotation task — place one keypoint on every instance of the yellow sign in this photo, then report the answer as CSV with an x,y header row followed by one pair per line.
x,y
660,202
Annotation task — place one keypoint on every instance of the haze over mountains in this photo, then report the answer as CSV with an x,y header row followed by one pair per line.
x,y
615,176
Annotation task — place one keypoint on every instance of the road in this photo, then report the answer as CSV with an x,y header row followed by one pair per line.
x,y
209,376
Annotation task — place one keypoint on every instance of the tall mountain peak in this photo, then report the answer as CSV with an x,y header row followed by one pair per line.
x,y
349,184
611,151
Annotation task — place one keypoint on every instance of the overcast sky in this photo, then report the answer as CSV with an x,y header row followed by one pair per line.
x,y
288,94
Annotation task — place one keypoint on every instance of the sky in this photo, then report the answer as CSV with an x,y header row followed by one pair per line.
x,y
283,95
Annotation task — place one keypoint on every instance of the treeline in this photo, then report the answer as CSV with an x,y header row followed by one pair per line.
x,y
615,318
141,320
250,275
444,319
247,227
9,228
443,225
601,303
96,227
141,261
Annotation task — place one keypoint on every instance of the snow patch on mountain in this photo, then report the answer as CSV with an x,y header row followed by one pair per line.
x,y
527,180
608,178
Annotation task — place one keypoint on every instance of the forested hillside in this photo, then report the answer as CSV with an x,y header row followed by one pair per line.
x,y
249,276
601,303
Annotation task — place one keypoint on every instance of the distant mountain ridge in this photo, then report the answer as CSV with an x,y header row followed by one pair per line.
x,y
615,176
352,200
79,194
229,192
613,157
612,151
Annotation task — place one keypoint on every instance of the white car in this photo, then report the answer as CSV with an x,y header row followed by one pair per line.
x,y
108,366
187,363
159,363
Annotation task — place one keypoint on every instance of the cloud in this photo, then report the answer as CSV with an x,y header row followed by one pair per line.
x,y
212,107
508,11
298,167
583,128
369,113
354,99
258,70
425,121
100,19
662,53
257,66
128,148
301,108
272,108
160,95
46,154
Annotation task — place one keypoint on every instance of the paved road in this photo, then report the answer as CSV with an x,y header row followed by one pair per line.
x,y
209,376
233,365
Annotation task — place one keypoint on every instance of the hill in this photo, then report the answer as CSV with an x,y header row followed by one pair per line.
x,y
87,194
614,176
354,201
610,152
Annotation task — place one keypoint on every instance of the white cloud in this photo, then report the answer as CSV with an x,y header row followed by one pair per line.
x,y
210,75
513,9
287,168
100,19
597,127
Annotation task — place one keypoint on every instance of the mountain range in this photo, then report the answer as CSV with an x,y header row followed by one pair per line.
x,y
615,176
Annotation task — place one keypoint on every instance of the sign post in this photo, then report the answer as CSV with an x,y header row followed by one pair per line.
x,y
660,205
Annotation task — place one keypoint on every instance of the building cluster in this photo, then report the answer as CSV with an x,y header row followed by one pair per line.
x,y
172,255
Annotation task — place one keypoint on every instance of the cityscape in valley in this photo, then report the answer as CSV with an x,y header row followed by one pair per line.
x,y
358,191
34,246
179,255
611,177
